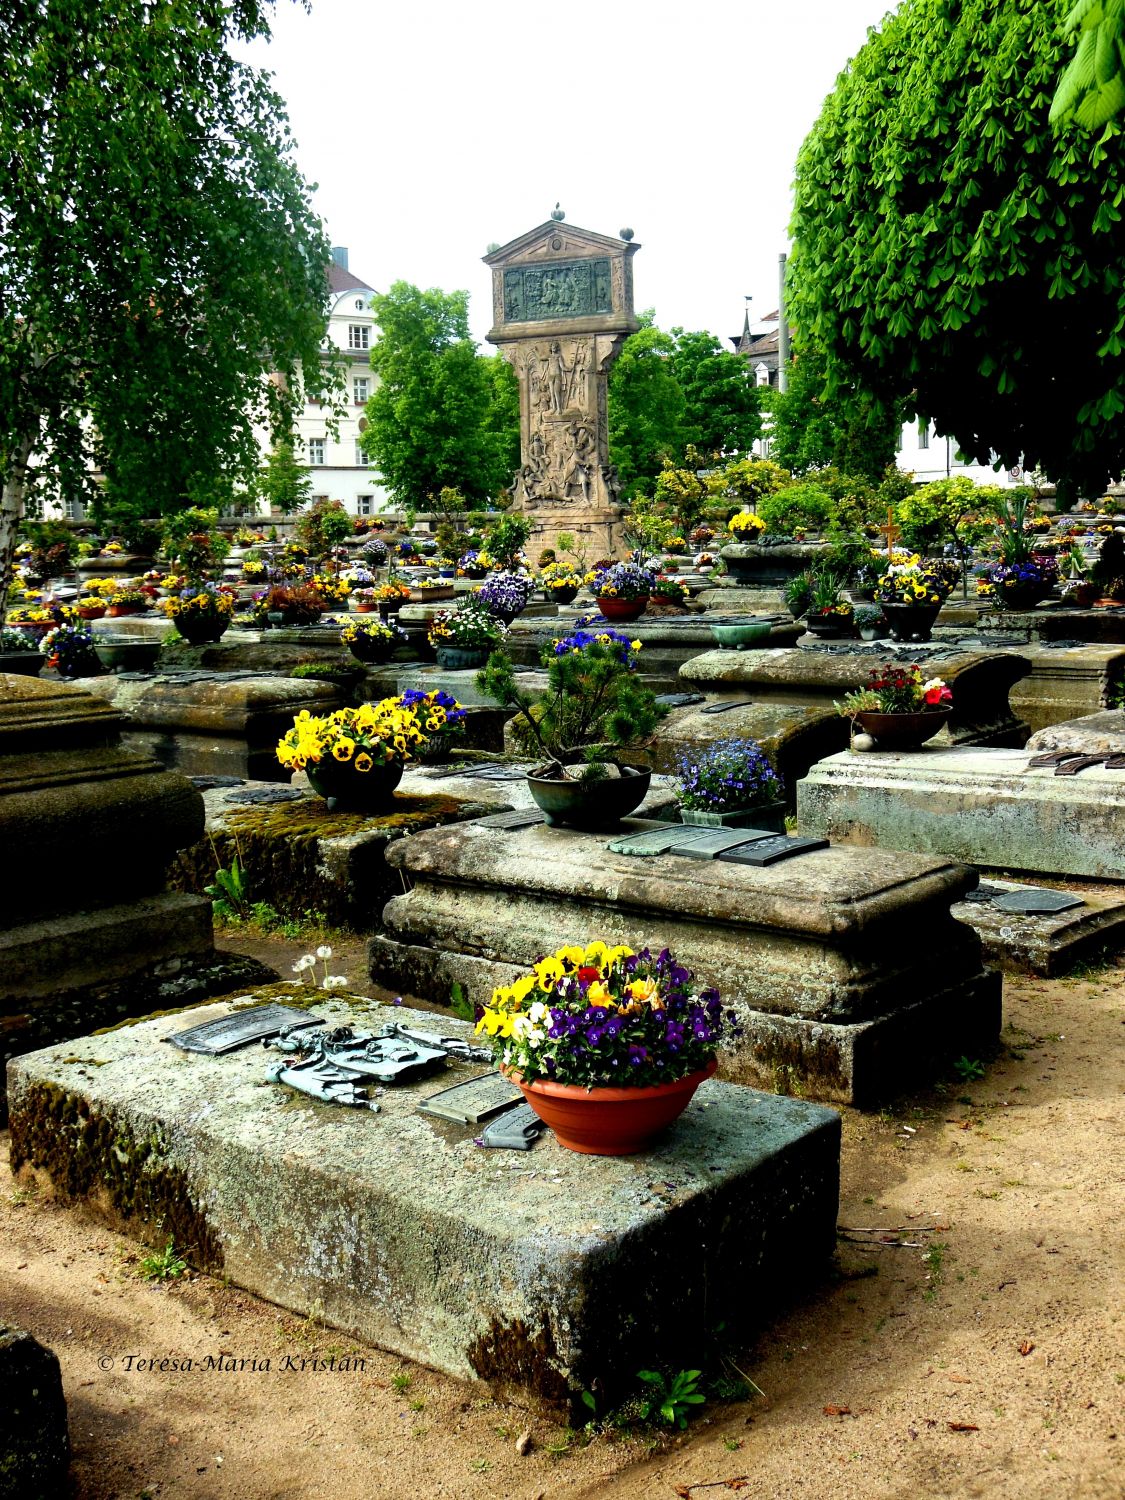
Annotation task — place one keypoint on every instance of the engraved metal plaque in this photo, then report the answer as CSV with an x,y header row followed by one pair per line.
x,y
557,289
725,707
511,822
240,1028
769,851
516,1129
1037,903
716,841
656,840
471,1102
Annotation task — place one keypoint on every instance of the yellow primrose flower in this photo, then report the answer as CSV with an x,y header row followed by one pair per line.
x,y
598,994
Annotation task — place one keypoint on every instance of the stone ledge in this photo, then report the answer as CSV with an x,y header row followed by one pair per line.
x,y
534,1273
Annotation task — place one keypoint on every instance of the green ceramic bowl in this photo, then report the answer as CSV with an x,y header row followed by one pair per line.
x,y
738,635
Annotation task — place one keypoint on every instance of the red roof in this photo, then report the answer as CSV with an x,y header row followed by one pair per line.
x,y
340,280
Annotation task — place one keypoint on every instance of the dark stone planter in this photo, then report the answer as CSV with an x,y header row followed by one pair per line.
x,y
118,655
903,731
830,627
561,596
342,786
461,658
770,567
201,632
371,650
910,622
590,805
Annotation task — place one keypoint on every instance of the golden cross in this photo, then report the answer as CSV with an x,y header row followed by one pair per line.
x,y
890,531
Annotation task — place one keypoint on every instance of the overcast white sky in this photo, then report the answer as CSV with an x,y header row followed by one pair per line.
x,y
436,126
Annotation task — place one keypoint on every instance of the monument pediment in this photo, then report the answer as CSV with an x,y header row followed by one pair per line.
x,y
557,240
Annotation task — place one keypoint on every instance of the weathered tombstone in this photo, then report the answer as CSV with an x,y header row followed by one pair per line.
x,y
398,1228
845,968
562,300
91,934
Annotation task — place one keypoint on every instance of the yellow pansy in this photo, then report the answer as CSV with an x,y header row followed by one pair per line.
x,y
343,749
363,762
548,972
571,957
598,994
596,954
642,989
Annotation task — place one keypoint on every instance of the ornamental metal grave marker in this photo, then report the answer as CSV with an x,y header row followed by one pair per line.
x,y
1038,902
512,822
326,1081
725,707
387,1057
473,1101
516,1129
656,840
718,841
242,1027
770,850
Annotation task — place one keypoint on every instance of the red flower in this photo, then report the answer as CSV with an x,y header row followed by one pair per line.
x,y
588,973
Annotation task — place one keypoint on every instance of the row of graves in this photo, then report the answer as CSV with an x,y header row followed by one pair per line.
x,y
657,889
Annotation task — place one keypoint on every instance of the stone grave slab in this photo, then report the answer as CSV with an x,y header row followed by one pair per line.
x,y
300,857
1066,682
1049,943
207,723
1093,734
76,953
1054,622
990,808
536,1274
827,957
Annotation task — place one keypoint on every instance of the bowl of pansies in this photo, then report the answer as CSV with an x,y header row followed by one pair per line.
x,y
442,720
254,570
31,620
607,1045
670,595
354,757
127,601
730,784
622,590
910,596
332,588
19,653
560,582
900,708
391,596
464,638
469,564
1019,585
373,640
505,595
201,612
69,650
374,552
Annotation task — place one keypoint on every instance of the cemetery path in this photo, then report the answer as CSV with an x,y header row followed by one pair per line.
x,y
980,1357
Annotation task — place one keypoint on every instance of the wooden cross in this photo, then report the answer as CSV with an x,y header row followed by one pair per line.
x,y
890,531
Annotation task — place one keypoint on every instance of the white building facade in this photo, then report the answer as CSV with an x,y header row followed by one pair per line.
x,y
337,466
923,452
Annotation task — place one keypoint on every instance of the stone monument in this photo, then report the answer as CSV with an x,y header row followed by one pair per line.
x,y
562,305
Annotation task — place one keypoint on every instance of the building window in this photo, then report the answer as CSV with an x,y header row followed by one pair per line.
x,y
363,505
359,336
359,304
923,433
360,388
316,450
761,374
360,456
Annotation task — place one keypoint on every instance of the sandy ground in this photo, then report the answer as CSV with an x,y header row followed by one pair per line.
x,y
977,1349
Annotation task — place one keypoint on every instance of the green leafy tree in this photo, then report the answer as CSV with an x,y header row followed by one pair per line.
x,y
846,425
953,510
1092,90
158,256
283,483
722,412
646,407
954,248
435,419
503,420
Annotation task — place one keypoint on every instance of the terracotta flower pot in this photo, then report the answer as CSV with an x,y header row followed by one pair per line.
x,y
903,731
119,611
622,609
609,1121
91,614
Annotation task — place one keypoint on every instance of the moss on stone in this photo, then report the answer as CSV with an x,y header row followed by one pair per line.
x,y
95,1158
510,1355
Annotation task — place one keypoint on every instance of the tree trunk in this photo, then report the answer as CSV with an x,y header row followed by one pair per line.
x,y
11,513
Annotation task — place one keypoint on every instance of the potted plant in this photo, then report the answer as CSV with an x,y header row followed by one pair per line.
x,y
127,601
560,582
254,570
505,595
333,589
798,592
669,596
899,708
1022,578
442,720
288,605
470,564
464,637
374,640
69,650
607,1045
911,595
730,784
354,757
201,613
593,703
746,526
391,596
870,621
622,590
19,653
828,614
